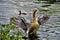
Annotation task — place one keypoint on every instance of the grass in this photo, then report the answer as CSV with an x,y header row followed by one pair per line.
x,y
5,29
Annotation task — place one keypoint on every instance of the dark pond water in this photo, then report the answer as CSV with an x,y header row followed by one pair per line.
x,y
48,31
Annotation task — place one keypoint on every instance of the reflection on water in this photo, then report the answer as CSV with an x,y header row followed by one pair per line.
x,y
48,31
33,37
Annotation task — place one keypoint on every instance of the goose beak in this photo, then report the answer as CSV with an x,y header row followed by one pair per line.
x,y
34,10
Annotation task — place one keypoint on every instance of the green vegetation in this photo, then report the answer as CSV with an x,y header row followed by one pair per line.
x,y
5,29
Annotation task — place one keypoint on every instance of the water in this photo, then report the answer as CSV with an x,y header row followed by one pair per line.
x,y
48,31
